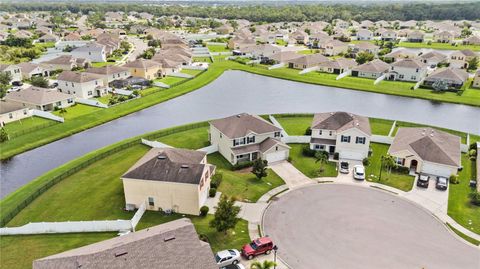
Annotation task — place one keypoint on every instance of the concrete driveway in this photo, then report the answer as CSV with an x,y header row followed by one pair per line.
x,y
346,226
292,177
434,200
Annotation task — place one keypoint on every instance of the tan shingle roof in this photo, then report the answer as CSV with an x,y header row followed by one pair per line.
x,y
452,74
170,245
429,144
409,63
142,63
376,65
79,77
341,121
242,124
37,96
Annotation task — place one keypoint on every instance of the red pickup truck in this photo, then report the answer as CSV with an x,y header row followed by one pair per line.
x,y
263,245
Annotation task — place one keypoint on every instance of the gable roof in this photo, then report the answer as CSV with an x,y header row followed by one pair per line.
x,y
340,121
310,59
155,247
169,165
429,144
79,77
142,63
37,96
377,66
409,63
242,124
452,74
106,70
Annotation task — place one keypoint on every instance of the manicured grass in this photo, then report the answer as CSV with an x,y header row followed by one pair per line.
x,y
380,126
102,64
19,126
203,59
93,193
69,127
459,206
192,72
104,99
77,110
295,125
439,46
308,166
395,179
191,139
18,252
464,236
281,42
218,48
170,80
399,124
243,185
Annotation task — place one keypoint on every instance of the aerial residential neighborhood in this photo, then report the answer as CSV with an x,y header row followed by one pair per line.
x,y
240,134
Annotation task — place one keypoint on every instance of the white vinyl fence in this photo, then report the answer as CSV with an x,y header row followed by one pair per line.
x,y
91,102
180,75
300,139
77,226
155,144
47,115
210,149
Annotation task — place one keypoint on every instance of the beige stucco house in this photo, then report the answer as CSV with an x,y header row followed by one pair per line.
x,y
41,98
169,179
146,69
407,70
13,70
12,111
81,84
342,132
427,151
244,137
460,58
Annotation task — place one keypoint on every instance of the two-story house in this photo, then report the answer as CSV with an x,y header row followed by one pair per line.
x,y
13,70
244,137
460,58
342,132
109,73
408,70
82,85
94,52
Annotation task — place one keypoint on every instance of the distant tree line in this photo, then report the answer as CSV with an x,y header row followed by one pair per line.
x,y
269,13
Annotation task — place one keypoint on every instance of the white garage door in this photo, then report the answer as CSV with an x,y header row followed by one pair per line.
x,y
437,170
351,155
276,156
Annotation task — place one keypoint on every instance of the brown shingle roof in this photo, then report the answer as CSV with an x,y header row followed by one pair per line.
x,y
376,65
37,96
79,77
142,63
170,245
429,144
106,70
340,121
409,63
242,124
451,74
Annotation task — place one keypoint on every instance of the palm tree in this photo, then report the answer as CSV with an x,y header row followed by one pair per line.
x,y
389,163
322,157
265,265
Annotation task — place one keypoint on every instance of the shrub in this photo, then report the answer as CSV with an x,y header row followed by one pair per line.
x,y
308,131
204,210
203,237
475,198
242,165
307,151
216,180
454,179
212,192
473,154
366,161
336,156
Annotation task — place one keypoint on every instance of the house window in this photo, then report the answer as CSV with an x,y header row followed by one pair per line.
x,y
360,140
276,148
400,76
58,103
73,85
90,92
70,100
151,201
251,140
320,132
330,133
414,78
239,141
277,134
25,112
345,139
317,146
10,115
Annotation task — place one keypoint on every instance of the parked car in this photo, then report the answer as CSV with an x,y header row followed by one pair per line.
x,y
359,172
344,167
263,245
17,83
442,183
233,266
14,89
423,181
226,257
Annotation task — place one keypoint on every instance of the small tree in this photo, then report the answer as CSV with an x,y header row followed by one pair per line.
x,y
473,63
363,57
322,158
265,265
3,135
259,168
39,82
225,216
389,163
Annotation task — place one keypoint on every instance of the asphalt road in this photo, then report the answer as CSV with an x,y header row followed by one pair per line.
x,y
343,226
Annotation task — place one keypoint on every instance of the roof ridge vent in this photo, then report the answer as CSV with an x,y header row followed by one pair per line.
x,y
161,157
184,166
170,238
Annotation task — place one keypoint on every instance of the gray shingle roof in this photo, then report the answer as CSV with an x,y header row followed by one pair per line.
x,y
171,245
79,77
429,144
169,165
242,124
341,121
38,96
376,66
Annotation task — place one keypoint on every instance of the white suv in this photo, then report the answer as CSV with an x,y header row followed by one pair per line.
x,y
226,257
359,172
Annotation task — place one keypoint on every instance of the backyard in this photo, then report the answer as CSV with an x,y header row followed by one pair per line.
x,y
218,48
308,165
394,179
77,110
28,124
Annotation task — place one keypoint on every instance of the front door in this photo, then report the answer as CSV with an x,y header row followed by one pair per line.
x,y
331,150
254,156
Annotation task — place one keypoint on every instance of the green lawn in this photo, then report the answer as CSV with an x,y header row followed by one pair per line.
x,y
242,184
192,72
295,125
77,110
102,64
218,48
170,80
308,166
439,46
399,124
459,206
397,180
281,42
191,139
18,127
380,126
203,59
104,99
309,51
